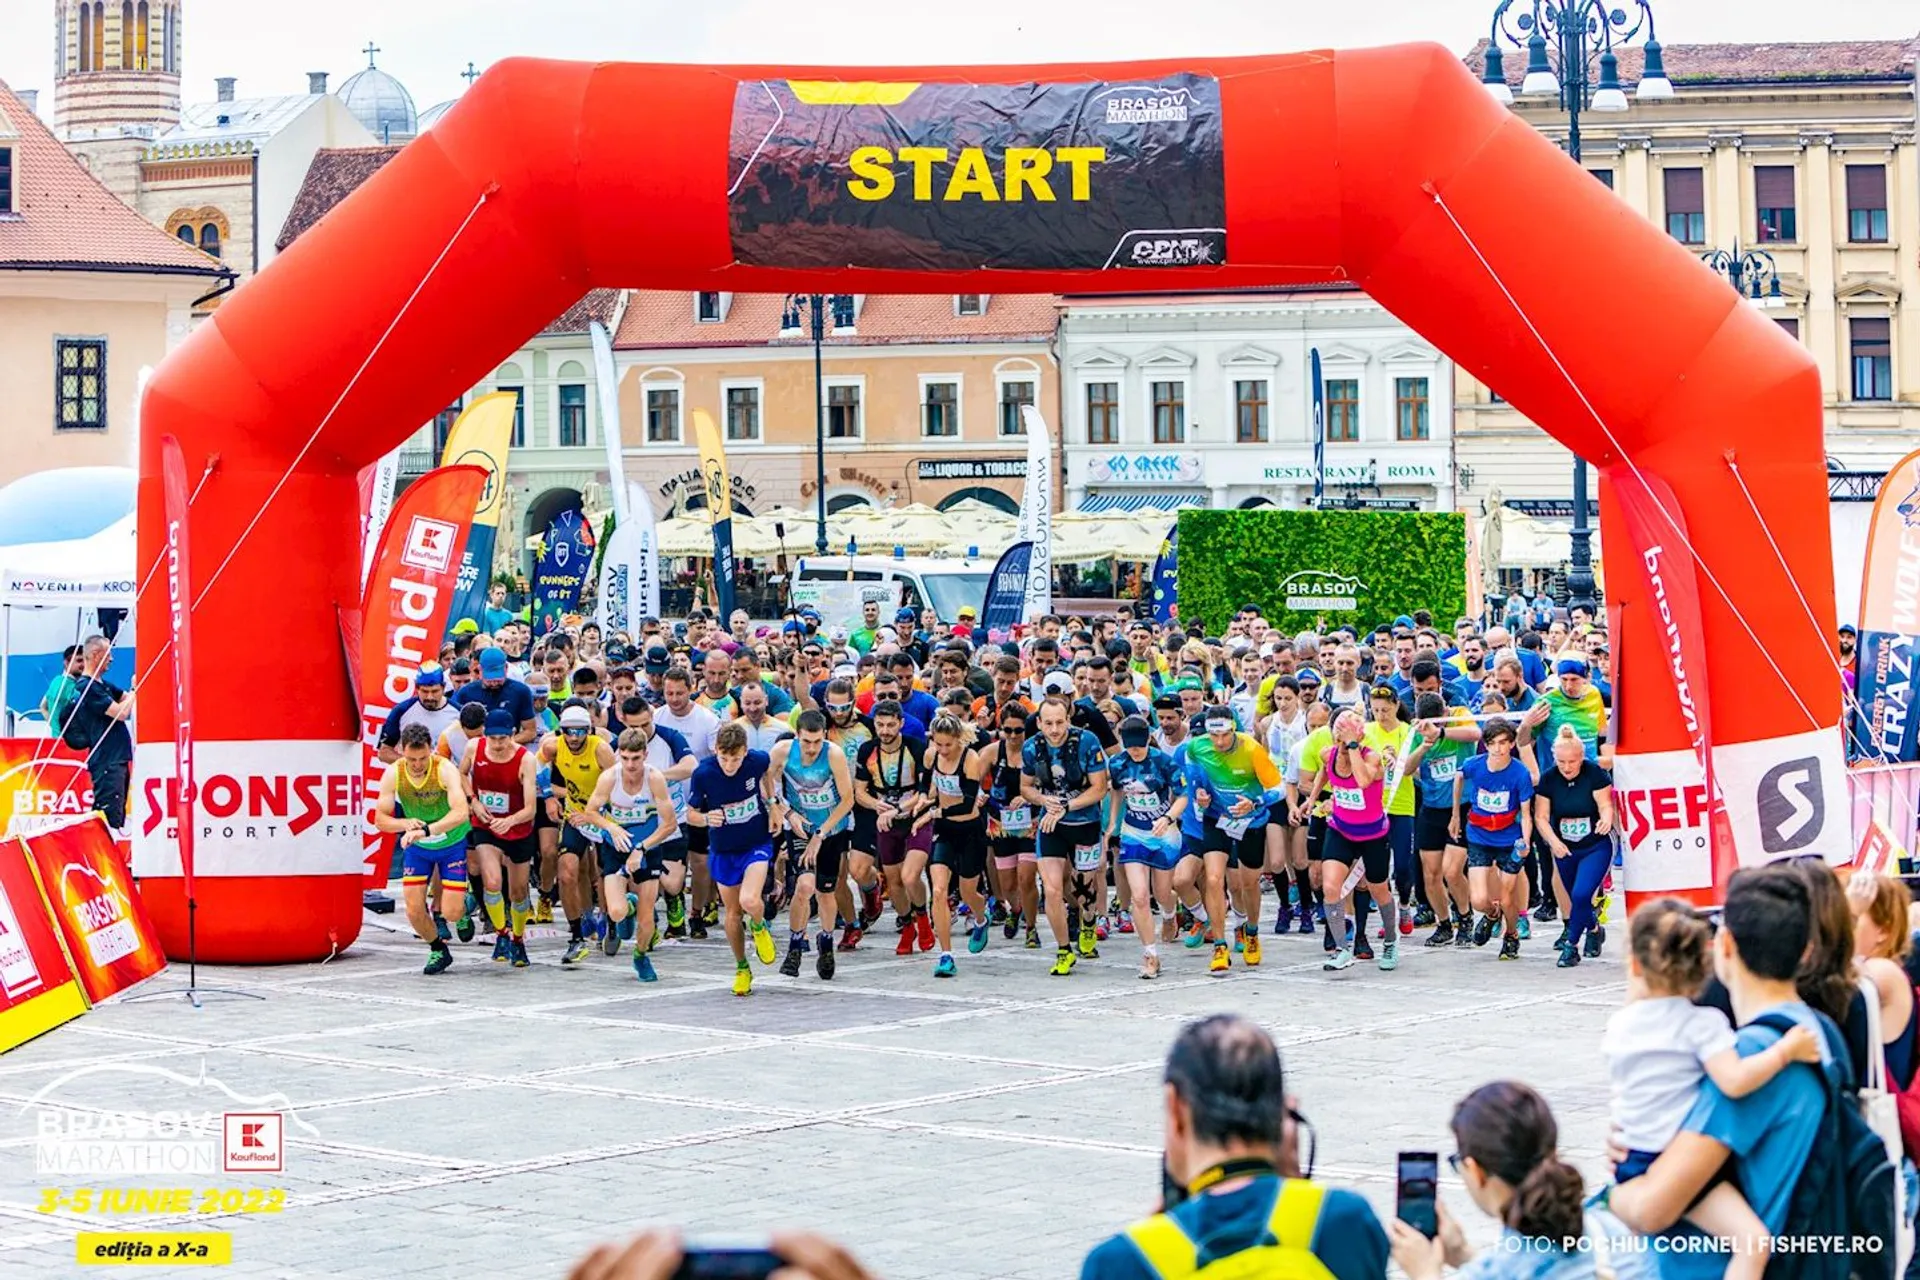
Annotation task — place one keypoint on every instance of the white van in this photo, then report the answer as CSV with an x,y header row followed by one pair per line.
x,y
838,585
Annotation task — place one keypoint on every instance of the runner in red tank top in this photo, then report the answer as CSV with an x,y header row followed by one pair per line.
x,y
500,783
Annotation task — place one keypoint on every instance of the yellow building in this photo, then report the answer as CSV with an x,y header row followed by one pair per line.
x,y
1804,153
89,292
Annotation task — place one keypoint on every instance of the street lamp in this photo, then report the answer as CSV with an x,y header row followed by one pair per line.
x,y
816,308
1566,43
1751,272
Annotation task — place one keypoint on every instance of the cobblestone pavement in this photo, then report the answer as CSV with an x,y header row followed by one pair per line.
x,y
993,1125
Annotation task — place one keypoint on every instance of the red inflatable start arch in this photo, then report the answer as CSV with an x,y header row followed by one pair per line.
x,y
1391,168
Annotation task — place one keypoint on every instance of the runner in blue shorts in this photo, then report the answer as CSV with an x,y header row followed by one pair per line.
x,y
1150,797
633,809
1496,792
731,795
422,802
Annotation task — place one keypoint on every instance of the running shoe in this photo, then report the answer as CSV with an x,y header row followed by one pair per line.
x,y
710,915
440,928
1062,964
1010,927
1320,913
1390,955
610,938
1239,942
977,938
1423,916
1596,938
1101,929
439,959
943,967
542,910
1087,940
1327,944
904,947
997,913
1483,931
1341,959
1183,915
1306,922
1547,912
742,980
464,930
872,906
1033,940
1526,930
577,950
677,931
520,960
1252,947
1442,935
677,915
643,967
1561,941
696,927
1406,921
654,941
1196,935
763,942
1510,947
1362,949
1463,932
1569,957
923,924
1222,959
795,951
502,949
1283,919
823,963
1150,966
595,924
1125,922
850,937
628,925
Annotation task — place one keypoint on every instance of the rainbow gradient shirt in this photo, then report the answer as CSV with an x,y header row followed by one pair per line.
x,y
1587,714
1243,770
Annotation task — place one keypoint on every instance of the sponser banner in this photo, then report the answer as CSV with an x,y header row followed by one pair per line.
x,y
38,991
924,177
107,933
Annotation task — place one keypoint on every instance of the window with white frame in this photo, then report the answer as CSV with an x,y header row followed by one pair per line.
x,y
707,308
1103,412
844,420
663,413
940,407
743,411
969,304
1016,394
1169,410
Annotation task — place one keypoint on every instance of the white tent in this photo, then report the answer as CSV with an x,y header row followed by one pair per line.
x,y
51,594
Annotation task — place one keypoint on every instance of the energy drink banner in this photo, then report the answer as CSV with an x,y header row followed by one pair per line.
x,y
481,437
1007,589
924,176
1885,724
1166,580
561,576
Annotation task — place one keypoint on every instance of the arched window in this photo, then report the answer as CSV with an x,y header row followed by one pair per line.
x,y
141,19
86,37
185,233
126,35
99,44
210,239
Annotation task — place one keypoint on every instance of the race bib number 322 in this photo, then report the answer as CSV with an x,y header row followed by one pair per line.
x,y
916,176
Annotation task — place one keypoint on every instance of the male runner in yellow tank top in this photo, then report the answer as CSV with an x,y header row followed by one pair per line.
x,y
578,757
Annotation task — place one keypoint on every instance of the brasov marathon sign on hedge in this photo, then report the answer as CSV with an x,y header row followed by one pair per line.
x,y
1357,568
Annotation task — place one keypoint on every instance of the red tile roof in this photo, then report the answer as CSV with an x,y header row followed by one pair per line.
x,y
660,319
333,175
64,220
595,304
1743,64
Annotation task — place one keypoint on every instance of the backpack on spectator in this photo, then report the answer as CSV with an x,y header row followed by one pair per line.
x,y
75,733
1846,1188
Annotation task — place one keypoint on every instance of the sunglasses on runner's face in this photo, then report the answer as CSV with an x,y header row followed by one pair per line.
x,y
837,707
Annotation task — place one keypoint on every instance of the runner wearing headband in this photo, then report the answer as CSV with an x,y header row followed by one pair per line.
x,y
888,783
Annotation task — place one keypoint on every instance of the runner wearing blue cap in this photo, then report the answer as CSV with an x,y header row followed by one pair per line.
x,y
501,778
1152,796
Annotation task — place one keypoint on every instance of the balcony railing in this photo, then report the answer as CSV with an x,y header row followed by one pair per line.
x,y
416,462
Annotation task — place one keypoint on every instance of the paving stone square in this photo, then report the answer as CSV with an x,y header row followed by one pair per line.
x,y
995,1125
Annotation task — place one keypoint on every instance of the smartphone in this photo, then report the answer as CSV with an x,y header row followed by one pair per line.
x,y
1418,1185
726,1264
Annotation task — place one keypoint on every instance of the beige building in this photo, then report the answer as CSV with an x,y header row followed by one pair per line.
x,y
1804,153
89,293
922,395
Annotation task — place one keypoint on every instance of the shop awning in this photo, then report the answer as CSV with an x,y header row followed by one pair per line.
x,y
1133,500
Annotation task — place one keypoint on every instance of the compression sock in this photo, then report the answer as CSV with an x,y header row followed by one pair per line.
x,y
496,908
1337,922
1390,918
522,912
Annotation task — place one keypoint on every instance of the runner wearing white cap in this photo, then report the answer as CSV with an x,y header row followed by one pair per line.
x,y
577,756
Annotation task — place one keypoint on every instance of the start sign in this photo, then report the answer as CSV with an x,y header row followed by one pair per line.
x,y
915,176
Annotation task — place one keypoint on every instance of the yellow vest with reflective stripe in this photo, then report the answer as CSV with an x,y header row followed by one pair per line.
x,y
1286,1253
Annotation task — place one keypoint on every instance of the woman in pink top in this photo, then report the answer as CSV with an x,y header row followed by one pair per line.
x,y
1355,778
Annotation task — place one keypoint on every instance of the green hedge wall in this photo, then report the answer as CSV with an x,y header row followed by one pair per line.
x,y
1402,560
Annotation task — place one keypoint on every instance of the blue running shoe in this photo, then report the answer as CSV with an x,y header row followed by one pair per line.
x,y
502,949
943,968
643,967
633,913
977,938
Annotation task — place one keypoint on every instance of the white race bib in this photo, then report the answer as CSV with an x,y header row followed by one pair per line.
x,y
495,802
1148,807
947,784
739,811
1234,828
1574,830
823,796
1443,769
1016,818
1086,857
1491,801
1351,798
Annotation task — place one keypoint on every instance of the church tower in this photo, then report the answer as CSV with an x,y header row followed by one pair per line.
x,y
116,83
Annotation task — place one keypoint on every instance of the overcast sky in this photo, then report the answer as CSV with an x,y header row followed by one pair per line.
x,y
426,43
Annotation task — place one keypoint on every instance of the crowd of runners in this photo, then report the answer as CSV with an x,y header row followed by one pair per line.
x,y
1087,780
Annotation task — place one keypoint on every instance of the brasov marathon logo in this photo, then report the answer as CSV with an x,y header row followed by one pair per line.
x,y
1314,591
74,1138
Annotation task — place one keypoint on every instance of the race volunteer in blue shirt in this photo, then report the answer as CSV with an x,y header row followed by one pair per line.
x,y
1770,1133
731,794
495,691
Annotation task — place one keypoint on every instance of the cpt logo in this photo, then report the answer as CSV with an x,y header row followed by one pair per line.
x,y
429,545
253,1142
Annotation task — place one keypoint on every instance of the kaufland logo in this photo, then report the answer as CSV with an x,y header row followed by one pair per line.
x,y
429,545
254,1142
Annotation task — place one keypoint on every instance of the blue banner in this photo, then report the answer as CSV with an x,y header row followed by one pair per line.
x,y
561,576
1886,727
476,564
1319,427
723,567
1007,589
1166,579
